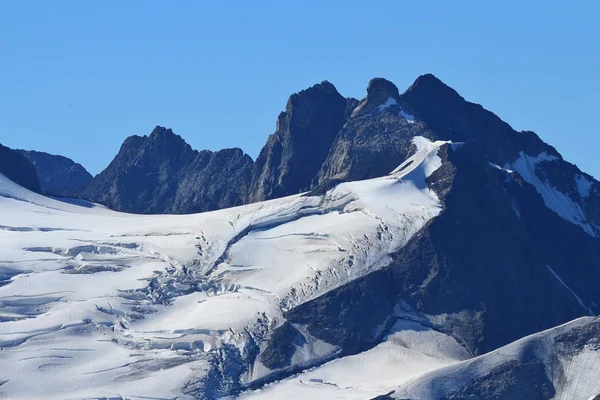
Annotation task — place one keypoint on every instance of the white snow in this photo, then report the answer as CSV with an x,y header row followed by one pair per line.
x,y
388,103
554,199
96,303
500,168
582,372
423,163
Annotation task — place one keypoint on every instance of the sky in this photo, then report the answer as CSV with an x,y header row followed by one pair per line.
x,y
78,77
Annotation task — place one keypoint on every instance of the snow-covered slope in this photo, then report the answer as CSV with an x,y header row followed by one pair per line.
x,y
96,303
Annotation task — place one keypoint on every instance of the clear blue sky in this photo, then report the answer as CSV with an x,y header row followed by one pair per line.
x,y
78,77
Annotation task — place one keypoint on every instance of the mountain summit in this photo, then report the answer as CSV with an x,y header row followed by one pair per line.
x,y
161,173
322,138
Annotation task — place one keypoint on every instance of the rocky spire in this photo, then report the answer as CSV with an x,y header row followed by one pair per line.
x,y
295,152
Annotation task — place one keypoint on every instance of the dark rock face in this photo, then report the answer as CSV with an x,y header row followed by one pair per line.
x,y
213,180
275,356
511,380
161,173
370,146
58,175
577,339
295,152
18,169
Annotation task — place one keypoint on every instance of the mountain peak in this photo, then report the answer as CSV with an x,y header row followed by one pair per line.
x,y
304,133
319,90
159,131
167,141
380,89
430,85
428,78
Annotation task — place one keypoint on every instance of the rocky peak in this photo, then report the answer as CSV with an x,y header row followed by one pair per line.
x,y
436,103
294,153
161,173
429,84
321,90
303,106
160,131
452,117
167,140
380,92
380,89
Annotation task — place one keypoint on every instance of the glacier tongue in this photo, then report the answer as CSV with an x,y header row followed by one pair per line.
x,y
97,303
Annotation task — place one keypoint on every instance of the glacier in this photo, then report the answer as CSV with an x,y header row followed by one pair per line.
x,y
97,303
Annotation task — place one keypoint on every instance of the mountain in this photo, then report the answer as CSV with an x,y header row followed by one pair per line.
x,y
322,139
161,173
435,253
17,168
58,175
